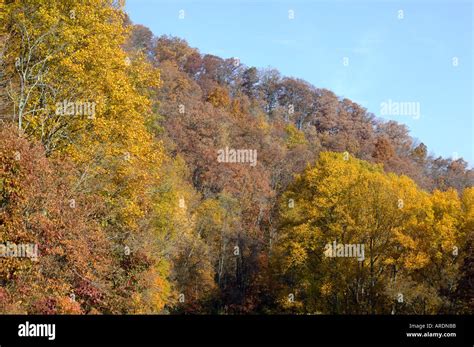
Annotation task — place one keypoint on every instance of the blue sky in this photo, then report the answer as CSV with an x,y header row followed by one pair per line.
x,y
424,57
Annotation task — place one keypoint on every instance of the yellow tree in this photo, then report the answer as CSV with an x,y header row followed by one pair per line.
x,y
354,239
72,86
181,240
464,295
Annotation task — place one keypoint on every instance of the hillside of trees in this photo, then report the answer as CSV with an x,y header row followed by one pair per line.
x,y
109,162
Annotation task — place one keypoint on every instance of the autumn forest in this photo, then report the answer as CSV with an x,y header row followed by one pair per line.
x,y
140,176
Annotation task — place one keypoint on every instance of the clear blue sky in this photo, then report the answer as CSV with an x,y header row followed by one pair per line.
x,y
403,60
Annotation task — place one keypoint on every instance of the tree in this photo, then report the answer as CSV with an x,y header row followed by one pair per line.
x,y
383,150
39,206
249,81
408,238
298,98
219,98
463,296
172,49
141,39
78,58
